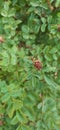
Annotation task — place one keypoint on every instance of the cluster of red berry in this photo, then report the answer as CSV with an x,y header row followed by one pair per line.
x,y
37,64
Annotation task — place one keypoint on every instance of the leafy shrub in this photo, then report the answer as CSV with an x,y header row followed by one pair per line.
x,y
29,65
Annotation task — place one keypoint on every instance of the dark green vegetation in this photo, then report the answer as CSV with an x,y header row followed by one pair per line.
x,y
29,65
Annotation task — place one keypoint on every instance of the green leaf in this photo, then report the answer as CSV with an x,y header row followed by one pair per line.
x,y
43,20
19,128
29,112
50,82
17,104
57,3
10,111
13,60
11,12
14,121
21,117
43,27
24,127
25,29
4,13
5,98
35,3
5,59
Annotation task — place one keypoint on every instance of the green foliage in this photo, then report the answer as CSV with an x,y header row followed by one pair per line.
x,y
29,97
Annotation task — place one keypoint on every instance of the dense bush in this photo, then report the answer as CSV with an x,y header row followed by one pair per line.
x,y
29,65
